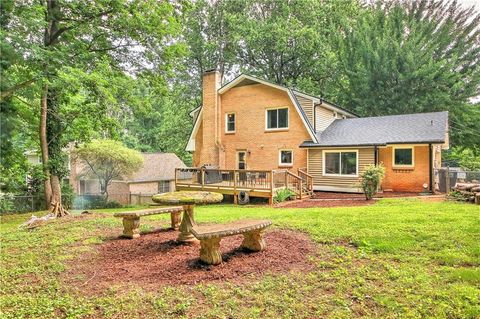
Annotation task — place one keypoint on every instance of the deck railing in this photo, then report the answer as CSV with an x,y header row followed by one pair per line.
x,y
307,181
224,178
258,180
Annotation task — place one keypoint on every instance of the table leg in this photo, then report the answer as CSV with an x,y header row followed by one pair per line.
x,y
185,235
175,220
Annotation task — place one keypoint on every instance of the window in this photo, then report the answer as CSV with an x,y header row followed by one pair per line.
x,y
403,156
340,163
163,186
285,158
277,119
230,123
242,162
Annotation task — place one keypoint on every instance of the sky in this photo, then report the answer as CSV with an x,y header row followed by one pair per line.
x,y
469,3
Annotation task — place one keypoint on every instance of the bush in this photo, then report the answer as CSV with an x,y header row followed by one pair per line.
x,y
6,203
94,202
371,179
113,204
68,196
283,195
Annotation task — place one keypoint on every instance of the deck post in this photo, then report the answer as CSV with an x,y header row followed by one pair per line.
x,y
270,199
301,188
235,196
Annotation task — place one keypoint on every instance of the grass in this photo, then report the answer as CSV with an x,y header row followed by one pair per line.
x,y
398,258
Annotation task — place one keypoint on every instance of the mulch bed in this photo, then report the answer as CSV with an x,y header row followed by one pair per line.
x,y
156,259
312,203
333,195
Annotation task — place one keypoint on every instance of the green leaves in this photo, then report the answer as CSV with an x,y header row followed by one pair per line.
x,y
108,160
418,56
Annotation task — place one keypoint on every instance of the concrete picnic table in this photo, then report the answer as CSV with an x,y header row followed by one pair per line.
x,y
188,199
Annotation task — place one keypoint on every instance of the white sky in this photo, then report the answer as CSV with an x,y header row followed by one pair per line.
x,y
469,3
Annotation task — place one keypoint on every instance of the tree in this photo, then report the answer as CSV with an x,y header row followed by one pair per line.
x,y
109,160
466,158
414,56
290,42
58,38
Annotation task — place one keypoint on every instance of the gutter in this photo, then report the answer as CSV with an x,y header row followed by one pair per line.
x,y
313,145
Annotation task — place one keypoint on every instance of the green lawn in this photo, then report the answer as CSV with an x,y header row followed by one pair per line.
x,y
397,258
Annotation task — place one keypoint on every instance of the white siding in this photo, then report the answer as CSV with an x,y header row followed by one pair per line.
x,y
324,117
307,106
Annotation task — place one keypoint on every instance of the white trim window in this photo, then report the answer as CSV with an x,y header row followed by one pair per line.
x,y
230,124
276,119
340,163
403,156
285,158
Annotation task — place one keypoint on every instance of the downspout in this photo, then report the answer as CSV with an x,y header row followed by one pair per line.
x,y
375,155
430,166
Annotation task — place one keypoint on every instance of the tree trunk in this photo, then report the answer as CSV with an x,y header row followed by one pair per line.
x,y
44,147
56,206
53,190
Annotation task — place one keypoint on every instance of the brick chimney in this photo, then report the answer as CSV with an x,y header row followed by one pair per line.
x,y
211,82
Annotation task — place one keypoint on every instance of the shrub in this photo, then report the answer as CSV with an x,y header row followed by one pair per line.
x,y
283,195
94,202
113,204
371,179
6,203
68,196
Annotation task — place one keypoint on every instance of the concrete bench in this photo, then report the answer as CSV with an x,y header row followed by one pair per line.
x,y
211,235
131,219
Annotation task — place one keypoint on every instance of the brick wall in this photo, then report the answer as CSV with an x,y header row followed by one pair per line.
x,y
249,103
405,179
144,188
118,191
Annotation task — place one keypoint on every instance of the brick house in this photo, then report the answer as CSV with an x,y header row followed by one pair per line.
x,y
253,124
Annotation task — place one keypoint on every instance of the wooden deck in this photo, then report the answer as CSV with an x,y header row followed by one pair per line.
x,y
258,183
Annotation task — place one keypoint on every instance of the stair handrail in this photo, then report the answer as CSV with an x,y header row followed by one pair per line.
x,y
308,179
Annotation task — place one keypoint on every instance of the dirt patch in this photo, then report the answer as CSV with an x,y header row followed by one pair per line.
x,y
312,203
156,259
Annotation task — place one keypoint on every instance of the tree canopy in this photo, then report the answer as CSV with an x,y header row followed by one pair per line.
x,y
109,160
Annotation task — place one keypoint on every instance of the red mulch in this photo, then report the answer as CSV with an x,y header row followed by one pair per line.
x,y
333,195
156,259
311,203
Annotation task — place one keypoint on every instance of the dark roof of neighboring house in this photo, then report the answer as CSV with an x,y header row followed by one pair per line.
x,y
157,167
382,130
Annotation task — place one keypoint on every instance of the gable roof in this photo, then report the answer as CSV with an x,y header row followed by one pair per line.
x,y
381,130
244,79
157,167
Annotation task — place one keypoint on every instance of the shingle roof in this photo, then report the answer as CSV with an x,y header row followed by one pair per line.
x,y
157,167
382,130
